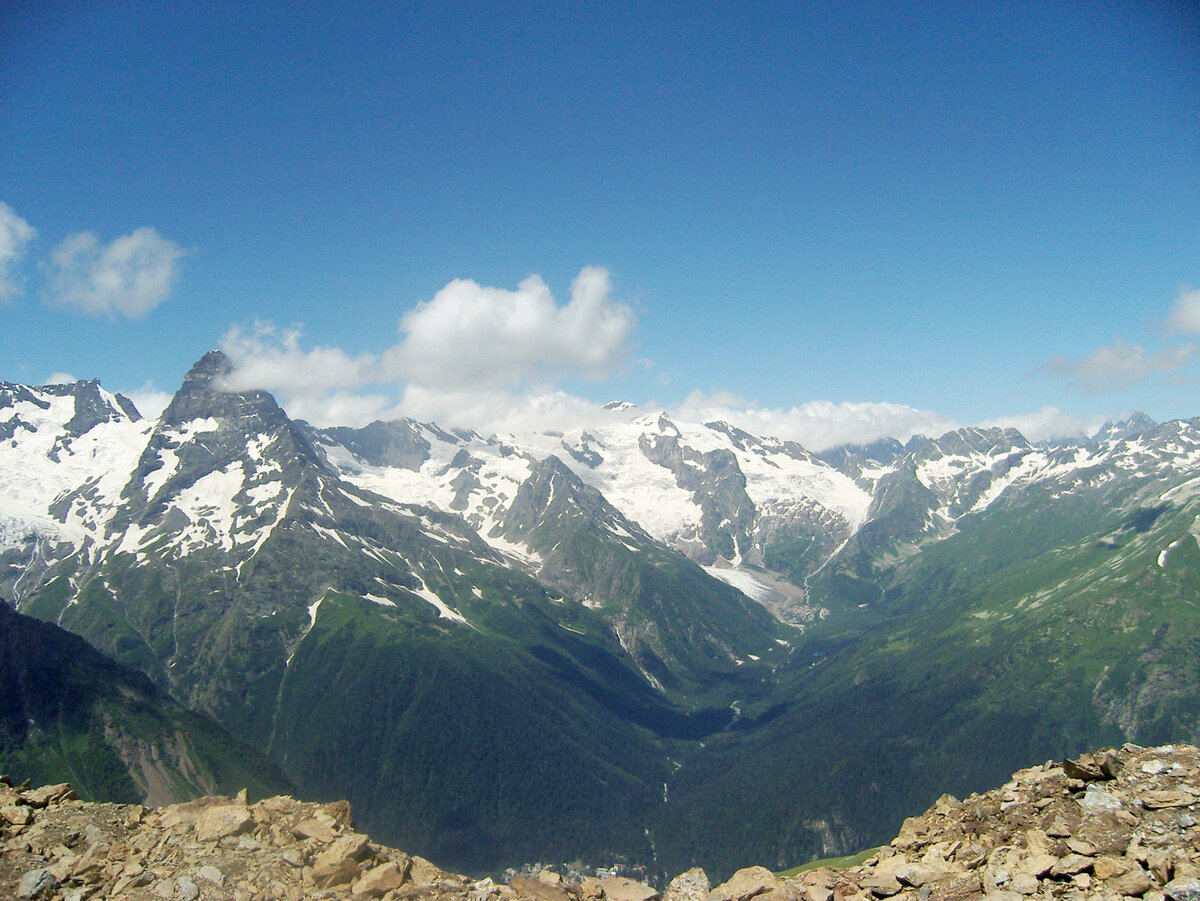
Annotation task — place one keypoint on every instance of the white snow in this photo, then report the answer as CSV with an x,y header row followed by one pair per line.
x,y
518,552
99,461
741,580
1162,555
329,533
208,503
644,492
312,621
443,609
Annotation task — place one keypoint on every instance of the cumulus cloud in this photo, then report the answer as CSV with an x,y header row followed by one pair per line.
x,y
1185,313
326,386
268,357
15,235
1122,365
471,356
469,335
128,277
60,378
817,425
150,402
319,385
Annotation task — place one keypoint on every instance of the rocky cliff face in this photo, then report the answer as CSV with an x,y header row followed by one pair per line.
x,y
1101,827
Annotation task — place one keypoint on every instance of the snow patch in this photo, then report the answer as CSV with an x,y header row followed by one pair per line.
x,y
444,610
741,580
376,599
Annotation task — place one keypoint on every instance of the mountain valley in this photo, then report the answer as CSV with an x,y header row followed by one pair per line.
x,y
651,642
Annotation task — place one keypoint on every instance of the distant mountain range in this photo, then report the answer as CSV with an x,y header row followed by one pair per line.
x,y
653,641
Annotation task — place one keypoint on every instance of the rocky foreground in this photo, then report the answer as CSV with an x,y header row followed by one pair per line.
x,y
1108,825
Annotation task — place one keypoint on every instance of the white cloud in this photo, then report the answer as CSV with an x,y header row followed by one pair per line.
x,y
271,358
318,385
1122,365
15,235
60,378
817,425
340,408
478,357
499,411
128,277
1185,313
1047,423
472,356
471,336
150,402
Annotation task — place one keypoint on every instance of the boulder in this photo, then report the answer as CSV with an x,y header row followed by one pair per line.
x,y
18,815
620,888
217,822
1133,883
745,884
320,830
347,847
339,872
35,883
378,881
690,885
48,794
1183,889
1157,800
536,888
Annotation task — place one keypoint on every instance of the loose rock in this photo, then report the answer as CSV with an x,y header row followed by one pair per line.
x,y
1110,825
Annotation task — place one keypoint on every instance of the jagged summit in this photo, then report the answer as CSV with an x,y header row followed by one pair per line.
x,y
213,364
203,394
1137,424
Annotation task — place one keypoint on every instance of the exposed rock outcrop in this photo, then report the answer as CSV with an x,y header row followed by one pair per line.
x,y
1102,827
1107,825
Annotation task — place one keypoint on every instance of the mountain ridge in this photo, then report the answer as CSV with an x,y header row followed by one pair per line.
x,y
662,613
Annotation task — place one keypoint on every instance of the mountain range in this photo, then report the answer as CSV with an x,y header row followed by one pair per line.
x,y
649,641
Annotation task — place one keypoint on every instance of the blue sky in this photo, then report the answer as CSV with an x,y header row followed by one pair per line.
x,y
831,220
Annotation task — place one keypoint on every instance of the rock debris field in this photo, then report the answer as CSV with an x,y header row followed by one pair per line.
x,y
1108,825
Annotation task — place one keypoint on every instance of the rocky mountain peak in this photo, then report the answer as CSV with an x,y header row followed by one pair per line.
x,y
853,458
1137,424
240,415
396,443
203,393
93,407
973,440
214,364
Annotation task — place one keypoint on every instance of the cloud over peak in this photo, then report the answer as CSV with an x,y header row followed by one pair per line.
x,y
470,347
817,425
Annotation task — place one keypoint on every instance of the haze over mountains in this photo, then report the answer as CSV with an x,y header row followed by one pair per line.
x,y
649,640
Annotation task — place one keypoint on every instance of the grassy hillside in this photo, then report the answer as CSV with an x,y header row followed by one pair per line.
x,y
69,714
